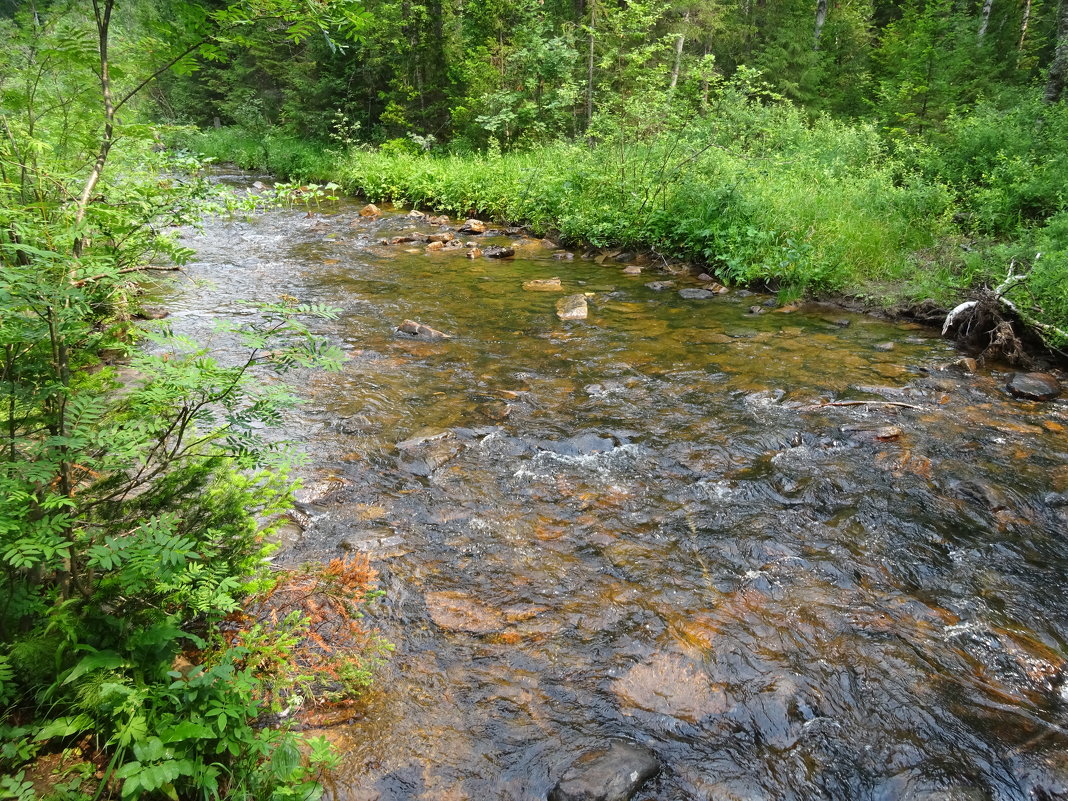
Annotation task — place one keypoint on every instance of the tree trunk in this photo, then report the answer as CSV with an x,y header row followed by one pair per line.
x,y
1058,70
1023,24
589,66
678,53
821,17
988,5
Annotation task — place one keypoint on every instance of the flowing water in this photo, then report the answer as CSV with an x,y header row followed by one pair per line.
x,y
651,525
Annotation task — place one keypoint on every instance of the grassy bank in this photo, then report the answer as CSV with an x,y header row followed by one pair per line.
x,y
759,195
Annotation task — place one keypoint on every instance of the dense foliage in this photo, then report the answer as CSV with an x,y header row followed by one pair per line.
x,y
135,489
890,150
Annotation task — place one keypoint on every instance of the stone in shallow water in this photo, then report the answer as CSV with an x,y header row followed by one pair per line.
x,y
573,307
498,252
1033,386
614,774
657,286
544,285
669,685
416,330
455,611
696,294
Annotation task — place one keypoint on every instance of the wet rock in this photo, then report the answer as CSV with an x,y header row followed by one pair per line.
x,y
406,238
442,220
473,227
563,254
634,269
966,365
416,330
544,285
573,307
149,313
579,445
259,185
455,611
841,322
696,294
659,286
435,246
423,437
474,253
1033,386
705,277
884,347
756,309
416,215
669,685
498,252
371,210
614,774
454,244
447,236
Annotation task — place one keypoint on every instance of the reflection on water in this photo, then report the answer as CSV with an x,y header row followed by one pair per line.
x,y
650,525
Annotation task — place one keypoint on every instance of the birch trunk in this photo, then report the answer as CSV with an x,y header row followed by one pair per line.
x,y
821,18
678,53
988,6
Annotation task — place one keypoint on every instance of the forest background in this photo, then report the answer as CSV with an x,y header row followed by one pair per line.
x,y
893,152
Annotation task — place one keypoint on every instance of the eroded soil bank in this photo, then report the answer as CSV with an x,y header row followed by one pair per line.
x,y
785,550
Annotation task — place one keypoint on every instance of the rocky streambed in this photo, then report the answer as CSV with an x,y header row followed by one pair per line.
x,y
738,550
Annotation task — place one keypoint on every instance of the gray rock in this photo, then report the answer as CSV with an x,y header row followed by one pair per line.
x,y
657,286
614,774
696,294
883,346
414,330
1033,386
498,252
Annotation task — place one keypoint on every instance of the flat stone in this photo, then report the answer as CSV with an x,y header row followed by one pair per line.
x,y
455,611
884,346
544,285
696,294
573,307
614,774
1033,386
447,236
669,685
634,269
415,330
658,286
498,252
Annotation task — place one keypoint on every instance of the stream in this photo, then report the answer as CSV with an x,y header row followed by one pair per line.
x,y
651,525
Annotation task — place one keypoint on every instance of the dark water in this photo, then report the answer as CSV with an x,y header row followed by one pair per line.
x,y
647,525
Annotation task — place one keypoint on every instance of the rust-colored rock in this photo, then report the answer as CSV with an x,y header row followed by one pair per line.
x,y
371,210
544,285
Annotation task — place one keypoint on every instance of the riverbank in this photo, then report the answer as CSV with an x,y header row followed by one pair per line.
x,y
808,210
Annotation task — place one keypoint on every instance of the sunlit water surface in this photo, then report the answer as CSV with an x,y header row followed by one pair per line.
x,y
648,525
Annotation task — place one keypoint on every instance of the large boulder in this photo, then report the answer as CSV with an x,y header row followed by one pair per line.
x,y
613,774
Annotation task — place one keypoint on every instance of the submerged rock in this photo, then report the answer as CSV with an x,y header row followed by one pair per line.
x,y
1033,386
658,286
544,285
614,774
498,252
696,294
573,307
454,611
669,685
415,330
634,269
